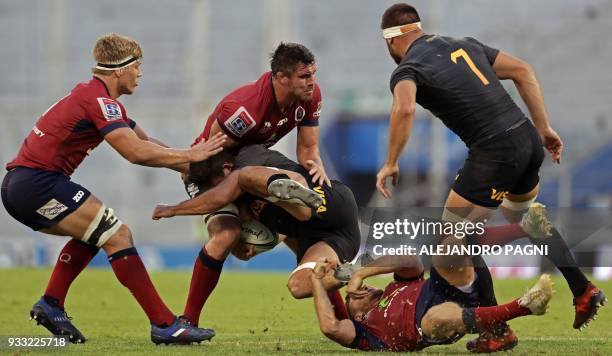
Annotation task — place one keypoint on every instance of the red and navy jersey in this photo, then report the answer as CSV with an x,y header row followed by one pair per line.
x,y
71,128
391,324
250,114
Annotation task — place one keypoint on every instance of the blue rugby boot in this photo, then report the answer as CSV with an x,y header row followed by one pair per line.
x,y
180,332
55,319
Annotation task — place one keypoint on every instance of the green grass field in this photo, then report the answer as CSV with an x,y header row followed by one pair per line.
x,y
253,313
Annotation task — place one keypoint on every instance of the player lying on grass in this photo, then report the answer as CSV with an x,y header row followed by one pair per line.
x,y
413,313
327,230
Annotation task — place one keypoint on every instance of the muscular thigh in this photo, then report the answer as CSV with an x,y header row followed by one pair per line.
x,y
48,201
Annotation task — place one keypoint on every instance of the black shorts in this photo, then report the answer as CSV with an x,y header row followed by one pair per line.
x,y
40,199
436,290
506,163
336,223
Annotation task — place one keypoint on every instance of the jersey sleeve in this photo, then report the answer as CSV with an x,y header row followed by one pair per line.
x,y
405,71
365,340
107,115
490,52
235,120
314,109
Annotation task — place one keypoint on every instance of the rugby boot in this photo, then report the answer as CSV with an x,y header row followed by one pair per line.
x,y
536,299
587,306
55,319
293,192
180,332
488,342
535,222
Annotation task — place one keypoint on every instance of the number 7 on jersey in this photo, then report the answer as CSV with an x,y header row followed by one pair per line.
x,y
462,53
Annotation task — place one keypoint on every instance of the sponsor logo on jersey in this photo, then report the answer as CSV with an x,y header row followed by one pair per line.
x,y
52,209
317,113
319,190
498,195
299,114
282,122
37,132
266,127
110,109
240,122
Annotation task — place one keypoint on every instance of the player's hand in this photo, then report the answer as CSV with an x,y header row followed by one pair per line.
x,y
317,171
321,269
205,149
243,251
162,211
553,144
355,287
381,178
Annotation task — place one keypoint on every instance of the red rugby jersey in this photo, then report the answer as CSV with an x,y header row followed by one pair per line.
x,y
71,128
392,321
250,114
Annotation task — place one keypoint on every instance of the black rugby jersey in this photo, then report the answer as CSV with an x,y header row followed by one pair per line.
x,y
456,82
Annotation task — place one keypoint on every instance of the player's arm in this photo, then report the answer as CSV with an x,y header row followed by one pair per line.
x,y
182,168
216,129
404,267
524,78
340,331
125,141
308,154
400,126
208,202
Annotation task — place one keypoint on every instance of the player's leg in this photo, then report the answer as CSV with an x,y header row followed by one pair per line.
x,y
107,231
448,320
223,228
300,285
278,184
587,297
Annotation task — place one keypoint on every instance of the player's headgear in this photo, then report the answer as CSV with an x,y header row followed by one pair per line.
x,y
114,51
400,19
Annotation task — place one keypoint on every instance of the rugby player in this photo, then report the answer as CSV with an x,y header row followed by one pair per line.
x,y
413,313
260,112
329,230
458,80
37,190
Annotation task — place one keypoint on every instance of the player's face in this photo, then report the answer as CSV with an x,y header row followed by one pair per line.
x,y
302,81
393,52
128,81
359,306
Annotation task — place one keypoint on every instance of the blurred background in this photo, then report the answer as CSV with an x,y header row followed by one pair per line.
x,y
196,51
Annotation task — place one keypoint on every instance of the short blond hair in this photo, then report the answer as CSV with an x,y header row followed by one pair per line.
x,y
113,48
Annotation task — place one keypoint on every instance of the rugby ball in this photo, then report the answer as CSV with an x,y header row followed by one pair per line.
x,y
256,234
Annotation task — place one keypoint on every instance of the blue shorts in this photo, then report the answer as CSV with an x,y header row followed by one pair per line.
x,y
39,198
436,290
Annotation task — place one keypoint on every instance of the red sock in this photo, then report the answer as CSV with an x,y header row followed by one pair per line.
x,y
339,308
485,318
206,273
133,275
501,235
73,258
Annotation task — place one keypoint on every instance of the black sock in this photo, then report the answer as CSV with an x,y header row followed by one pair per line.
x,y
484,282
54,302
560,255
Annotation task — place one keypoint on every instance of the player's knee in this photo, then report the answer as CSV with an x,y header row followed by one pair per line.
x,y
441,321
298,287
121,239
298,178
224,229
106,227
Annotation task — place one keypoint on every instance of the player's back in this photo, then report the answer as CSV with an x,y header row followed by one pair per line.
x,y
65,133
456,82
